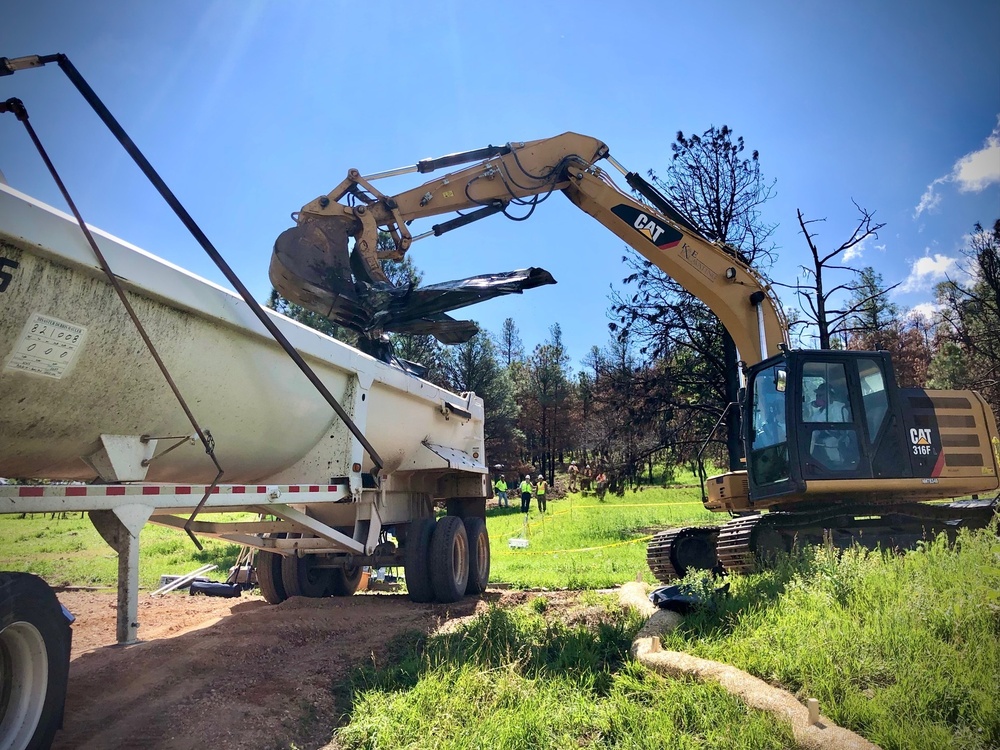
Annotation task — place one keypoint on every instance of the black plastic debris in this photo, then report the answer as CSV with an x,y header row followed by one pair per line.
x,y
311,267
421,310
211,588
682,598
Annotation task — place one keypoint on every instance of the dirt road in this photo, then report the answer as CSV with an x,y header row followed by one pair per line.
x,y
227,674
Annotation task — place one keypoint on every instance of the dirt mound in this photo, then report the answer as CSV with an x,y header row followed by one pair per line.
x,y
225,673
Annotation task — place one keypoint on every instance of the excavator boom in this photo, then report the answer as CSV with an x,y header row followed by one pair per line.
x,y
312,265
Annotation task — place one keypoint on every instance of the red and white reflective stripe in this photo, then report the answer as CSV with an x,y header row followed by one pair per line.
x,y
110,490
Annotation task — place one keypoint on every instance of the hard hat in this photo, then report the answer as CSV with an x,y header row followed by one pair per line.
x,y
528,477
540,476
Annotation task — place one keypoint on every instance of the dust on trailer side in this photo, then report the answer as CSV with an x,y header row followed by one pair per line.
x,y
83,403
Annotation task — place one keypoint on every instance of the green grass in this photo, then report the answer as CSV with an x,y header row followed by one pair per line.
x,y
903,649
69,551
585,543
513,679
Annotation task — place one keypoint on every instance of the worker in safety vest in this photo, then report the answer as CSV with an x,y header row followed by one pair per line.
x,y
526,489
501,488
540,489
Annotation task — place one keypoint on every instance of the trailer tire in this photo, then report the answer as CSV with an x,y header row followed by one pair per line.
x,y
301,577
479,555
35,638
449,560
416,560
343,581
269,574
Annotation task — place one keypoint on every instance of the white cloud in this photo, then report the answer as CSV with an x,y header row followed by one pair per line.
x,y
929,270
930,199
856,251
925,310
977,171
973,173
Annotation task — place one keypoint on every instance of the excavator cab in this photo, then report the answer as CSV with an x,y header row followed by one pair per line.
x,y
833,427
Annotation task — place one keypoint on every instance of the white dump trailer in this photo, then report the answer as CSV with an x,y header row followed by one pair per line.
x,y
82,401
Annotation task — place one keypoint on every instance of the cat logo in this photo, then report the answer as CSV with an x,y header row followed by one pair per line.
x,y
648,227
920,441
660,234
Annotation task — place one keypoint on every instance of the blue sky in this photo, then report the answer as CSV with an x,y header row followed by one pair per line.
x,y
251,109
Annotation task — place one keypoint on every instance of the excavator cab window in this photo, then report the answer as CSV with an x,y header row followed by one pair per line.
x,y
874,396
828,420
769,431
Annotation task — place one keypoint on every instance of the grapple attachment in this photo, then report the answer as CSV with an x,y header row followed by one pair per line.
x,y
311,266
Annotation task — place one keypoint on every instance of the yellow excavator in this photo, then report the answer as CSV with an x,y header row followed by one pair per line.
x,y
835,450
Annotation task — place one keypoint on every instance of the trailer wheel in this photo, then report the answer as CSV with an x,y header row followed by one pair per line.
x,y
301,577
35,638
416,560
479,555
269,574
343,581
449,560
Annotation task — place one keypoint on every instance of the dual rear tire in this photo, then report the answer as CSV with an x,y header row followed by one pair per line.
x,y
282,576
442,560
447,559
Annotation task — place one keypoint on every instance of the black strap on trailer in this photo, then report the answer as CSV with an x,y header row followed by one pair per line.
x,y
16,106
9,66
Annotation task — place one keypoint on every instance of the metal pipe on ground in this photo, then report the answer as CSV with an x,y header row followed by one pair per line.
x,y
183,580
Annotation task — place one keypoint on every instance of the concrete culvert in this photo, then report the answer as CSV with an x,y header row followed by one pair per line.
x,y
821,735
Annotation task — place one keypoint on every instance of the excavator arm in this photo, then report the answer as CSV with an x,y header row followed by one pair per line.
x,y
312,266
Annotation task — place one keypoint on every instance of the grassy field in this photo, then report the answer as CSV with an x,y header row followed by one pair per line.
x,y
904,649
585,543
516,678
69,551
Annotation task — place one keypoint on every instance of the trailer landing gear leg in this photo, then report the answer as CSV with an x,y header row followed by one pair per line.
x,y
120,529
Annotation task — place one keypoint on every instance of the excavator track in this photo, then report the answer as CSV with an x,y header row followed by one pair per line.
x,y
734,545
746,543
672,553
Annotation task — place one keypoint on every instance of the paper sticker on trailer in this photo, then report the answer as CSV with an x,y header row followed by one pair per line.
x,y
47,347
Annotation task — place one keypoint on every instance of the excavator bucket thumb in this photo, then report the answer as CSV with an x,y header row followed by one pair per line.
x,y
311,266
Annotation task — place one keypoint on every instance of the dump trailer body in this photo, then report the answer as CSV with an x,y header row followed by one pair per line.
x,y
83,401
74,368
